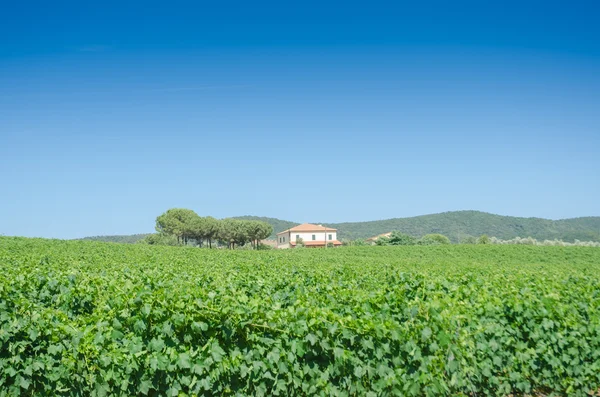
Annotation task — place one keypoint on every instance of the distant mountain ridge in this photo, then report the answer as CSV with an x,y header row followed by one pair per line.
x,y
455,224
458,224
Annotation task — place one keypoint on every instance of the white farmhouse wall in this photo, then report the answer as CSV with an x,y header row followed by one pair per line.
x,y
319,236
305,236
286,244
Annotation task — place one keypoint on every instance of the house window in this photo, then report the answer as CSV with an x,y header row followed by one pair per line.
x,y
330,236
284,239
279,239
314,237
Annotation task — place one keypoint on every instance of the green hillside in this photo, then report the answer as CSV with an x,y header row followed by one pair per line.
x,y
278,224
458,224
455,225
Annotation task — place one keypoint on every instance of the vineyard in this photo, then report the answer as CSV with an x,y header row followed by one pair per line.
x,y
82,318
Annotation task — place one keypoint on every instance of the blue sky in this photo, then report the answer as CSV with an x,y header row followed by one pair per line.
x,y
112,113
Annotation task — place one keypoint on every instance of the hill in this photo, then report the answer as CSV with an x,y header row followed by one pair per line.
x,y
455,225
458,224
278,224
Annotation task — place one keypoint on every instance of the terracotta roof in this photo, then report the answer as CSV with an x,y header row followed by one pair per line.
x,y
309,227
318,243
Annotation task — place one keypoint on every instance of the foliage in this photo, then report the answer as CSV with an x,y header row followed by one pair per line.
x,y
455,225
178,222
126,239
159,239
359,242
277,224
532,241
80,318
483,239
396,238
264,247
204,229
257,230
187,227
433,239
467,239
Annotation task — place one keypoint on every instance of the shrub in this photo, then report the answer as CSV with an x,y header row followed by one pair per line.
x,y
468,240
532,241
434,239
483,239
160,239
397,238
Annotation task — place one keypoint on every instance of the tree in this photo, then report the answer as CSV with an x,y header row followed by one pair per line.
x,y
233,232
265,231
177,222
483,239
241,232
186,225
238,233
396,238
211,229
225,232
434,239
198,229
253,230
357,242
382,241
467,239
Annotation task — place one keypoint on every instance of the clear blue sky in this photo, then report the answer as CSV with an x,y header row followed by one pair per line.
x,y
113,112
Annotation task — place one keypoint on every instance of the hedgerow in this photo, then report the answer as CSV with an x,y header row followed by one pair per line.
x,y
85,318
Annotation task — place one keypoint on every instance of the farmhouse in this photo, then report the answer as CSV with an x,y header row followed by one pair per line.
x,y
310,235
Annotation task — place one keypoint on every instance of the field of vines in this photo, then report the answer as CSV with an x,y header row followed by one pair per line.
x,y
80,318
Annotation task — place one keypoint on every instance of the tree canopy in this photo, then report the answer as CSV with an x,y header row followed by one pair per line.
x,y
184,227
458,226
434,239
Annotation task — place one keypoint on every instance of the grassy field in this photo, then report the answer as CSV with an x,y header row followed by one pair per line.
x,y
84,318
